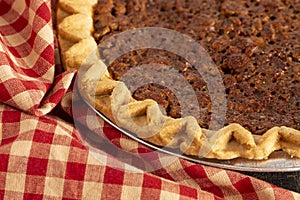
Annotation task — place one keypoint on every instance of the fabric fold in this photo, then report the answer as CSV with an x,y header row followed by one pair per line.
x,y
27,66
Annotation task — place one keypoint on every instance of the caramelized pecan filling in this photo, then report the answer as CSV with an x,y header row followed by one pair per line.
x,y
255,45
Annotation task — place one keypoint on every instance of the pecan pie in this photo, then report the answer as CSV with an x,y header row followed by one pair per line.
x,y
254,44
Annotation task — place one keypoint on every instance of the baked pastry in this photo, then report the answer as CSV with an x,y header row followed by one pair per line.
x,y
242,38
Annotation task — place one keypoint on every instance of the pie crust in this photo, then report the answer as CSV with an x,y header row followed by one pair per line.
x,y
144,118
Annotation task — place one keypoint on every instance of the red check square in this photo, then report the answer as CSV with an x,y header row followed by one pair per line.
x,y
75,171
33,196
43,137
151,182
113,176
188,191
3,162
37,166
10,116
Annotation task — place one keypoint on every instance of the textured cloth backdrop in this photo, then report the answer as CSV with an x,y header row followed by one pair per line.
x,y
41,154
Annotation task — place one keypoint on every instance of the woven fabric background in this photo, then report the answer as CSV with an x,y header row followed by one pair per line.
x,y
27,70
42,155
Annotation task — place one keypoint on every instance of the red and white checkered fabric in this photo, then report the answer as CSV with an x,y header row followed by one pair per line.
x,y
41,154
27,67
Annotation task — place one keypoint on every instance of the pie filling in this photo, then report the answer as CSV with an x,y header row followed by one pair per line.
x,y
255,45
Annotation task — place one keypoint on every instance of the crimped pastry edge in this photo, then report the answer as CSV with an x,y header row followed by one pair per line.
x,y
115,101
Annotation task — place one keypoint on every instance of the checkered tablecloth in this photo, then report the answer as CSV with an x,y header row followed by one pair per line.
x,y
42,155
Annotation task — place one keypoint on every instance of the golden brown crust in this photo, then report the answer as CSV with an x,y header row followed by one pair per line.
x,y
145,118
77,6
75,27
77,53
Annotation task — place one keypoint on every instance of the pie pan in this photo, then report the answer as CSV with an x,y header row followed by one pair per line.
x,y
277,161
234,141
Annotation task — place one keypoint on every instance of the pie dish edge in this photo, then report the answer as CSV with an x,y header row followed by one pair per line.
x,y
114,100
